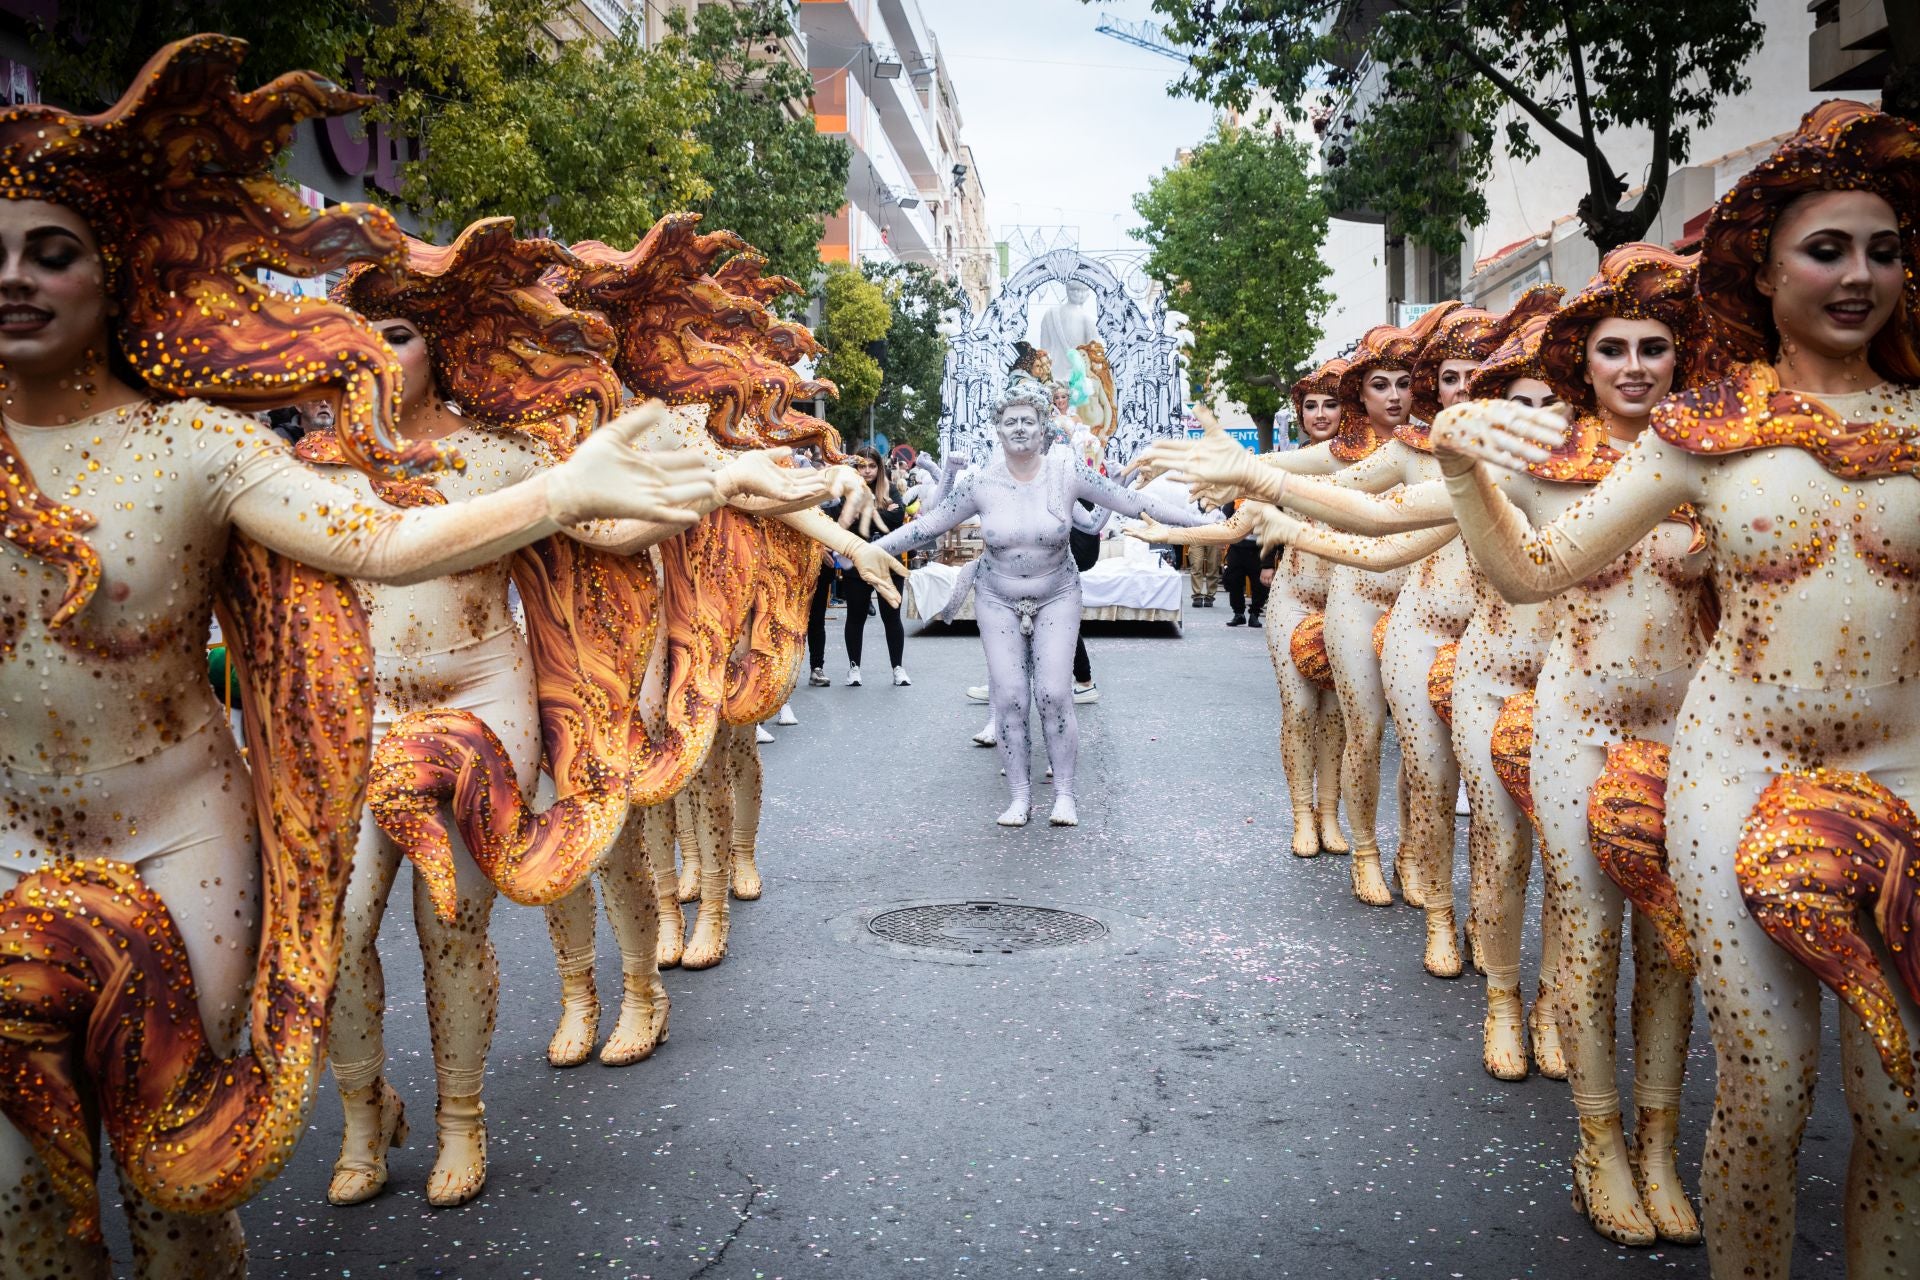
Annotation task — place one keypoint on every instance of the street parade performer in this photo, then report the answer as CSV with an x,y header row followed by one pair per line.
x,y
154,877
1027,588
496,367
1787,820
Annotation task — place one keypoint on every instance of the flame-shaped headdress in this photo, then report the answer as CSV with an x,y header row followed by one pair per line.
x,y
1634,282
1839,146
688,338
176,181
504,347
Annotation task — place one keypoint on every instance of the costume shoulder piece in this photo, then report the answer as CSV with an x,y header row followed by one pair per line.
x,y
1415,435
1355,441
1749,410
1584,457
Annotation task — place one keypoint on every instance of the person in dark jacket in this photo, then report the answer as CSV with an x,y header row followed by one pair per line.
x,y
888,513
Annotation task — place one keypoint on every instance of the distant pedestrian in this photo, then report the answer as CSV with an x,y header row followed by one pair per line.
x,y
887,514
1244,584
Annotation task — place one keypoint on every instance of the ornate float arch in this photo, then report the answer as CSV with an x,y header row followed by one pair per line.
x,y
1146,376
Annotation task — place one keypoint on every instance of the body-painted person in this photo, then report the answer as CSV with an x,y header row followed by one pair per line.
x,y
135,830
1798,743
1027,588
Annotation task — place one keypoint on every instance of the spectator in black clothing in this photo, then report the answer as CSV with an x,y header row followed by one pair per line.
x,y
888,514
1086,554
1243,580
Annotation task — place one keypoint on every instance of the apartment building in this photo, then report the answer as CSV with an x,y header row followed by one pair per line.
x,y
914,192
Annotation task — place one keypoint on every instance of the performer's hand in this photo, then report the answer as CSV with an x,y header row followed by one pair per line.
x,y
607,477
1148,529
765,474
1277,528
1266,577
1503,433
855,494
878,569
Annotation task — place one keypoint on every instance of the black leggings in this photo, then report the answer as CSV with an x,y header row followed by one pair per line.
x,y
858,593
1082,667
817,618
1243,571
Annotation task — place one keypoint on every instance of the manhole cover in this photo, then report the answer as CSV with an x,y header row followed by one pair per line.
x,y
985,928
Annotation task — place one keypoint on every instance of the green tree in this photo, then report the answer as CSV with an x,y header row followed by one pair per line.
x,y
88,53
581,140
908,406
853,315
1235,231
1573,69
774,177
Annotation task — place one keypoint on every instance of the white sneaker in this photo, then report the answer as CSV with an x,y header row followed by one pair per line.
x,y
977,693
853,677
1085,693
818,678
786,715
900,677
760,734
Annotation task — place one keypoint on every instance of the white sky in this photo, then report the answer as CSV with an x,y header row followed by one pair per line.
x,y
1066,124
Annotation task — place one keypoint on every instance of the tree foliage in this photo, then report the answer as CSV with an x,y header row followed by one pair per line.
x,y
853,313
908,406
1235,231
581,140
774,178
1571,70
88,53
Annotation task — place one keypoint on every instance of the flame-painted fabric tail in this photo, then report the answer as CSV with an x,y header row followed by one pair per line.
x,y
1380,635
762,677
1818,850
1513,750
98,1020
1308,645
590,624
1440,681
1627,820
706,595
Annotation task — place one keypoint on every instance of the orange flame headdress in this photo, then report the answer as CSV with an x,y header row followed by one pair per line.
x,y
1384,346
176,181
1635,282
1839,146
504,347
687,337
1324,381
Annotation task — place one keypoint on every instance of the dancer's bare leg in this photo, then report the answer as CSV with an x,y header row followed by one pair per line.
x,y
658,831
747,780
1432,777
709,810
1363,709
633,909
1009,676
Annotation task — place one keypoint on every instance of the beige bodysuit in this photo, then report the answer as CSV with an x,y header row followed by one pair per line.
x,y
1815,554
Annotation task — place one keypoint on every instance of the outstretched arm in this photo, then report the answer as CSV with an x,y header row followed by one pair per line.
x,y
1226,533
319,521
1527,565
1094,521
960,503
1420,506
1090,486
875,567
1351,549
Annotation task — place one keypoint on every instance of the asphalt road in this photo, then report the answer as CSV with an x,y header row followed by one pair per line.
x,y
1250,1076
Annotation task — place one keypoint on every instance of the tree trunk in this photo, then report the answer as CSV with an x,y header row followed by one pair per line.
x,y
1263,421
1900,96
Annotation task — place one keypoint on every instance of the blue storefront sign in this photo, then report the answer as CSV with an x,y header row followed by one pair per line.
x,y
1247,437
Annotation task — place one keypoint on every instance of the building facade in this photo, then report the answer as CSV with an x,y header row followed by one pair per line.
x,y
914,190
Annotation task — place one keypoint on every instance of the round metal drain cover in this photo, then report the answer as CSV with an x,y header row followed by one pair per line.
x,y
985,928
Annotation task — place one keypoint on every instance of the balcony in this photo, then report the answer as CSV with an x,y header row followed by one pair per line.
x,y
1849,47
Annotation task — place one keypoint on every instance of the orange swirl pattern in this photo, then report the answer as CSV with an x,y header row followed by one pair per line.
x,y
707,593
502,344
1380,635
1513,749
590,625
1819,850
98,1020
1748,409
1440,680
176,180
1308,645
761,678
687,339
1627,822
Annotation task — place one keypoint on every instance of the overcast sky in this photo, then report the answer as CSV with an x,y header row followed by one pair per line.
x,y
1066,124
